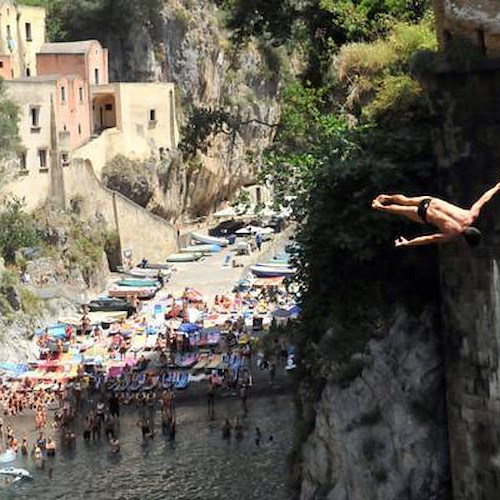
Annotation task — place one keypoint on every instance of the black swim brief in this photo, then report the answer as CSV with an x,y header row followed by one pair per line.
x,y
422,209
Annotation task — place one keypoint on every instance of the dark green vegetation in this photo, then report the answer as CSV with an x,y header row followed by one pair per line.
x,y
82,19
17,229
10,143
354,124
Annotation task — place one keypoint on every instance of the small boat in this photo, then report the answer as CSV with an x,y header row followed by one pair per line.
x,y
152,265
139,272
270,272
273,264
107,304
204,248
184,257
14,471
138,282
209,240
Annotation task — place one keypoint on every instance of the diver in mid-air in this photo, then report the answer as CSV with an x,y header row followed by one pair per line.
x,y
452,221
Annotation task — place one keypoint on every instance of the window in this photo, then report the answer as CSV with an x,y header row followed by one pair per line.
x,y
28,32
63,94
79,129
22,161
35,116
65,159
109,107
28,72
1,64
42,158
96,76
152,115
80,93
9,34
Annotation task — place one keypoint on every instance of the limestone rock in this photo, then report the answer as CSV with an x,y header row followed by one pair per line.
x,y
383,436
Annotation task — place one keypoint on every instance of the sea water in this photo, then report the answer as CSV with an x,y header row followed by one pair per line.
x,y
199,465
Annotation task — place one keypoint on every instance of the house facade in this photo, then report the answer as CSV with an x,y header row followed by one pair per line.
x,y
54,118
87,59
22,34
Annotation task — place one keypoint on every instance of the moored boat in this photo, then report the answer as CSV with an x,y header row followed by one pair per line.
x,y
203,247
108,304
184,257
209,240
138,282
262,271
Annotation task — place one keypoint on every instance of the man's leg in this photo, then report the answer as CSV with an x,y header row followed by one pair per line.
x,y
409,212
400,199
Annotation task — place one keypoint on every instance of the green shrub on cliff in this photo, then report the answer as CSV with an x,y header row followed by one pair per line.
x,y
17,229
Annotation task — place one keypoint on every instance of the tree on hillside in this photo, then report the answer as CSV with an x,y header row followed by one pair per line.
x,y
17,230
10,143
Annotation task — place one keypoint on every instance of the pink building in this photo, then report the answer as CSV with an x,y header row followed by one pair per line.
x,y
73,120
6,70
54,113
86,59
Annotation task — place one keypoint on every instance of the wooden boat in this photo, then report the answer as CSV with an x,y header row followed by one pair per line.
x,y
138,282
184,257
108,304
275,264
203,248
209,240
152,265
269,271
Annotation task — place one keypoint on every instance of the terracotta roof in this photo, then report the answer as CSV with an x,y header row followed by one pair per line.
x,y
67,47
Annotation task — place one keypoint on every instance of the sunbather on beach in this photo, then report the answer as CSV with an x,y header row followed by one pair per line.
x,y
451,220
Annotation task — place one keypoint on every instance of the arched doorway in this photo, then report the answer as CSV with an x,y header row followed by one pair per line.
x,y
104,112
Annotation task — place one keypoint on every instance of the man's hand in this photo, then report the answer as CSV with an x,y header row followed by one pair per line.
x,y
400,242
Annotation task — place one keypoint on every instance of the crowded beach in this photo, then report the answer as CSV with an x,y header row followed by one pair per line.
x,y
140,347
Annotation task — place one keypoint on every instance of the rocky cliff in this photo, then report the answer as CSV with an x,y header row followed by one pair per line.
x,y
187,44
383,435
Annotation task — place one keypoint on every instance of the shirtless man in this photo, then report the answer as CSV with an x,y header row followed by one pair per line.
x,y
452,221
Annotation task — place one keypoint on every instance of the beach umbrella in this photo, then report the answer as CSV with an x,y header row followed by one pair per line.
x,y
188,328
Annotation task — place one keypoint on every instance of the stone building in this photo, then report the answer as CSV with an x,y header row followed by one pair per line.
x,y
477,21
87,59
22,34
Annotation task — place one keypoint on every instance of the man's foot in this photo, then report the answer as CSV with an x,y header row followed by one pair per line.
x,y
384,199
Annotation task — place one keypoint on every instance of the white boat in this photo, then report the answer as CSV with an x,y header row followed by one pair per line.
x,y
271,272
209,240
14,471
203,247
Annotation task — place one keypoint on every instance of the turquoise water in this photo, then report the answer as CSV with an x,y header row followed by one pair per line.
x,y
199,465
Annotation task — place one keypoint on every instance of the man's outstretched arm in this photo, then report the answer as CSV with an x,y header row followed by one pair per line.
x,y
424,240
485,198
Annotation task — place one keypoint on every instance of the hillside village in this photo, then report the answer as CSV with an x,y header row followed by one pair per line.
x,y
73,121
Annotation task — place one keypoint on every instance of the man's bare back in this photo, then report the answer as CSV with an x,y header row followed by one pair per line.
x,y
451,220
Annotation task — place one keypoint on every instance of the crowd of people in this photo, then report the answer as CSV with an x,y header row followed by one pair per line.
x,y
87,374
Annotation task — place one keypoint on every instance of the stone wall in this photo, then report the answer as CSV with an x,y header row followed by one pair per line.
x,y
467,107
477,20
145,234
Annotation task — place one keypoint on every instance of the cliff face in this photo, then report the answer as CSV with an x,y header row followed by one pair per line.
x,y
188,45
384,435
468,108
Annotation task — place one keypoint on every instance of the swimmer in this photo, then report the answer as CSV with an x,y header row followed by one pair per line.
x,y
114,443
451,220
